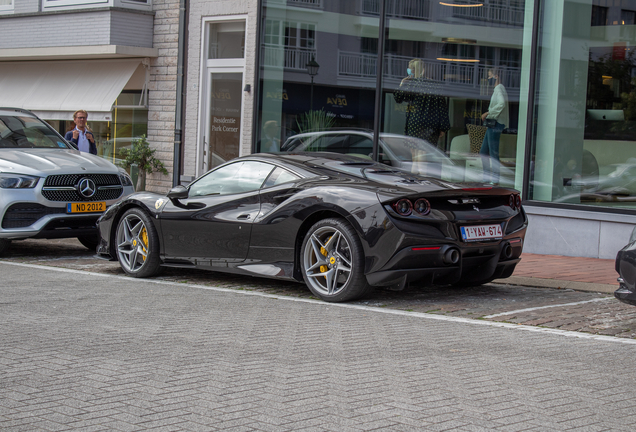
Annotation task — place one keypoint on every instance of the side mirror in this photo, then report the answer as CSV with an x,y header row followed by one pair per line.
x,y
181,192
177,193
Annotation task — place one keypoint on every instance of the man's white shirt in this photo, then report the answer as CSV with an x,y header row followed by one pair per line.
x,y
83,144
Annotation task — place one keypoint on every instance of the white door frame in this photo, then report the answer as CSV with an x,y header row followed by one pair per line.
x,y
209,67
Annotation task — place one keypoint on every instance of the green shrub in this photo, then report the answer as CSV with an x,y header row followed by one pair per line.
x,y
143,156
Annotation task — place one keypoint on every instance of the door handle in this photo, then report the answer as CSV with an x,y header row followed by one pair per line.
x,y
244,216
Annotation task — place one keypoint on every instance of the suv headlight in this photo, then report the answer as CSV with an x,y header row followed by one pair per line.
x,y
125,179
17,181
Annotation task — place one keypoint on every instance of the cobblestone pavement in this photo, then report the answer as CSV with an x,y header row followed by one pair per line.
x,y
94,352
564,309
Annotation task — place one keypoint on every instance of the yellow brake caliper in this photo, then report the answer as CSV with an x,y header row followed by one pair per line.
x,y
143,236
324,268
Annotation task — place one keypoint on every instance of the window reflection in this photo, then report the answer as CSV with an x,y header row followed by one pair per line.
x,y
470,54
435,81
584,151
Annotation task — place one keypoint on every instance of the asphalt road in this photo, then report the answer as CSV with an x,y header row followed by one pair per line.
x,y
85,348
563,309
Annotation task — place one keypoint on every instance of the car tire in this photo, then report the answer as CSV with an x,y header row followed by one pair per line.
x,y
137,244
332,261
4,246
89,241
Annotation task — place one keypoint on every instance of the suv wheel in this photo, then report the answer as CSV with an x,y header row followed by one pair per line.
x,y
4,245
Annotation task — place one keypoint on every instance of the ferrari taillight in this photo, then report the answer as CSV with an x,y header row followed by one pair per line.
x,y
405,207
514,201
422,206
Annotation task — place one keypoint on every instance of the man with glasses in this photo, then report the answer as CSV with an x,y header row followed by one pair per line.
x,y
82,136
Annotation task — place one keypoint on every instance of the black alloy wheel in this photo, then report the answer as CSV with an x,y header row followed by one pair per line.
x,y
138,244
332,261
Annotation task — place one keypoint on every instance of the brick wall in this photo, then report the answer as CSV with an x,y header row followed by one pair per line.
x,y
162,94
70,29
55,30
26,6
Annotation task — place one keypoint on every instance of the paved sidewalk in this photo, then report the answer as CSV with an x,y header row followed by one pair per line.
x,y
555,271
98,352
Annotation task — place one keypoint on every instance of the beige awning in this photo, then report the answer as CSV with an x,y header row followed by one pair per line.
x,y
53,90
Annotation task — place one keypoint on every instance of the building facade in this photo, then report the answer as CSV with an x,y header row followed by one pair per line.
x,y
116,59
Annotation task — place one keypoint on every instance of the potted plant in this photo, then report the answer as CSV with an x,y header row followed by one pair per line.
x,y
315,121
141,155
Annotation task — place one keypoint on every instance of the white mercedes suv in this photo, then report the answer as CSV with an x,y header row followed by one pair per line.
x,y
48,189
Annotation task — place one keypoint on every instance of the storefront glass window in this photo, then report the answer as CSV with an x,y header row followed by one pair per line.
x,y
129,121
584,147
339,41
452,82
443,62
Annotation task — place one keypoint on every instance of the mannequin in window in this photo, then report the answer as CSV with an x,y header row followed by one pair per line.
x,y
427,110
495,119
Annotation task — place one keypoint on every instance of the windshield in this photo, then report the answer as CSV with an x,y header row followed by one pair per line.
x,y
27,132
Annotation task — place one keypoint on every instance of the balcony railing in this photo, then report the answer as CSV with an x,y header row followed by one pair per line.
x,y
417,9
357,64
353,64
306,3
490,13
286,57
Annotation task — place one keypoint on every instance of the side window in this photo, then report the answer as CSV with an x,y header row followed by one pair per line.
x,y
335,143
317,144
360,146
329,143
280,176
235,178
298,144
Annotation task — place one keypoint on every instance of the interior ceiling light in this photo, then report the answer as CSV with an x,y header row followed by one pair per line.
x,y
460,41
461,5
458,60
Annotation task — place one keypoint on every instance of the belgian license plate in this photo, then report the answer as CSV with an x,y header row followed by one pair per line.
x,y
86,207
482,232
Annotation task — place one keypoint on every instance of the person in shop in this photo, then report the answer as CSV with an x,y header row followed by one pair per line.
x,y
81,135
495,119
427,110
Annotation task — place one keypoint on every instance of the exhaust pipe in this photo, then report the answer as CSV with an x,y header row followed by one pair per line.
x,y
506,252
451,256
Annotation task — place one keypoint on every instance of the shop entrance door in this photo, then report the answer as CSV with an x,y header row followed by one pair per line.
x,y
222,140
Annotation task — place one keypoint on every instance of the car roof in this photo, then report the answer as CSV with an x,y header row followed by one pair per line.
x,y
321,163
15,111
333,132
307,158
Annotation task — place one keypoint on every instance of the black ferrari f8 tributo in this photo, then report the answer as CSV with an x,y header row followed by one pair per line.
x,y
339,223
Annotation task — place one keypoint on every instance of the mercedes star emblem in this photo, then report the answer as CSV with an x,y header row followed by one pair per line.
x,y
86,188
